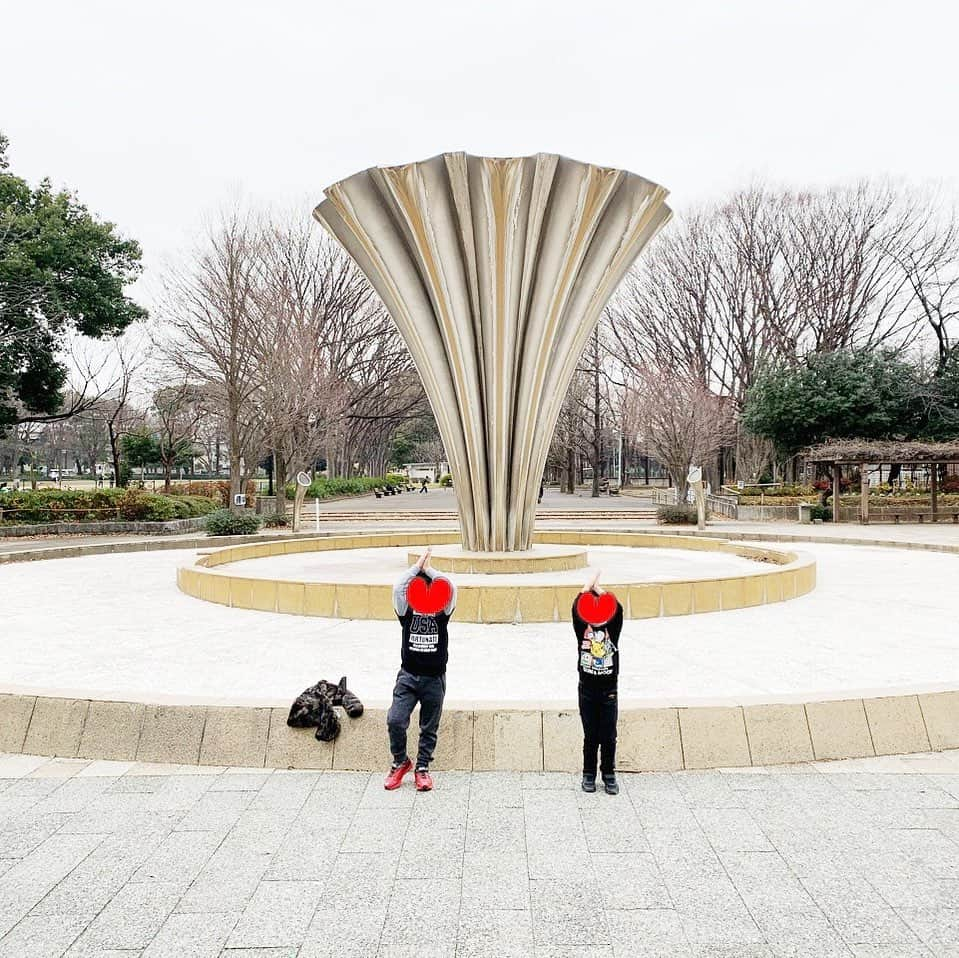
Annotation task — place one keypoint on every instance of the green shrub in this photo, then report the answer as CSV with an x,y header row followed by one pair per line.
x,y
777,492
100,505
677,515
396,479
446,480
275,521
223,522
324,488
821,512
216,489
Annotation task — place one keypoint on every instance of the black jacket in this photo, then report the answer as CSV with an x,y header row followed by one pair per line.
x,y
425,643
597,649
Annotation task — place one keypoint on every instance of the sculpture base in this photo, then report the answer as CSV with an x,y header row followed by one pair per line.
x,y
541,558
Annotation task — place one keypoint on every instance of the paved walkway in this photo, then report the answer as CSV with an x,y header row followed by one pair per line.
x,y
108,859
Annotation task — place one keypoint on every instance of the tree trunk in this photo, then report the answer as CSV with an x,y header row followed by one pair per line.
x,y
569,472
115,455
280,479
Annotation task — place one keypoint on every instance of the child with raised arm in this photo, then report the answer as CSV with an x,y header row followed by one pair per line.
x,y
597,622
423,601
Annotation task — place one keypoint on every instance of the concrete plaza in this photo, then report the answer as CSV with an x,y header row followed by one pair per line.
x,y
837,859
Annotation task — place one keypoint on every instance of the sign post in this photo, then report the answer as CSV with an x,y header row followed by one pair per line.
x,y
695,479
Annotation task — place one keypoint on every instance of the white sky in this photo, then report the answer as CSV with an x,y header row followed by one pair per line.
x,y
157,113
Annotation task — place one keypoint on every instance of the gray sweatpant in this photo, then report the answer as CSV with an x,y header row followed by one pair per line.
x,y
429,691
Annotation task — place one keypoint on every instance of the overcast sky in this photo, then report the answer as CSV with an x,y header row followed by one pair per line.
x,y
156,113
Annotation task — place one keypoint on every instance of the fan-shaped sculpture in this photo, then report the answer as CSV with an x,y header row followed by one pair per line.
x,y
496,272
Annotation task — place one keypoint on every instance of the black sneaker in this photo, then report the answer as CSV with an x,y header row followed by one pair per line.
x,y
589,783
611,785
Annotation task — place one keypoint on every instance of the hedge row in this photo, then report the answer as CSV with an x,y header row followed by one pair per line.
x,y
677,515
324,488
88,505
216,489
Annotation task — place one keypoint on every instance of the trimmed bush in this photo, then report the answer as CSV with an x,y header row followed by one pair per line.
x,y
676,515
774,492
821,512
223,522
275,521
446,480
99,505
218,489
324,488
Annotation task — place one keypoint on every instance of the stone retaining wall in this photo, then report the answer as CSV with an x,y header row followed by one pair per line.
x,y
172,527
653,739
779,576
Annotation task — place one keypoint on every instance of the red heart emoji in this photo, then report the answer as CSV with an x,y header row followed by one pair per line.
x,y
596,609
428,598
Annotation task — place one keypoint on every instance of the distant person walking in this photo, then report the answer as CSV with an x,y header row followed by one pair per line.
x,y
423,483
597,622
424,601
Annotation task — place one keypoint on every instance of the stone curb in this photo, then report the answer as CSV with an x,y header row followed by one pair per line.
x,y
779,577
170,528
655,739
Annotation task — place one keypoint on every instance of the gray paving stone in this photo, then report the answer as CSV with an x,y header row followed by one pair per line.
x,y
305,853
178,858
495,880
729,925
218,812
565,913
377,830
22,886
191,936
19,837
486,932
226,883
631,880
497,790
131,919
285,951
435,850
496,829
757,864
359,879
277,914
334,934
95,880
733,830
42,936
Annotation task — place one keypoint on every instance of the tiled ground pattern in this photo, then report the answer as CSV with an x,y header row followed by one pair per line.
x,y
109,859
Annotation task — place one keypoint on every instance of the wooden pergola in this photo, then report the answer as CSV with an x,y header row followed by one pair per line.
x,y
863,453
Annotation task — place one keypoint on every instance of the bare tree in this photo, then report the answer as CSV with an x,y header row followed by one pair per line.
x,y
681,421
177,410
122,415
209,335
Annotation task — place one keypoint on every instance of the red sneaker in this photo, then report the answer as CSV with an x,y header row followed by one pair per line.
x,y
423,779
396,776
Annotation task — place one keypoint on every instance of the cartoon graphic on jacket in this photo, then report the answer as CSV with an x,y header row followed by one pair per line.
x,y
598,648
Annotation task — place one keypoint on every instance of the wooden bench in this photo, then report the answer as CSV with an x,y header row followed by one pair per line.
x,y
922,516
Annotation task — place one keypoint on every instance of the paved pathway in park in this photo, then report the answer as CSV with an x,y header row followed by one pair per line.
x,y
103,859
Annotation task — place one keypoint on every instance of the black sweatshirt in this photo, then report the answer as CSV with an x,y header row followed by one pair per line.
x,y
425,644
597,648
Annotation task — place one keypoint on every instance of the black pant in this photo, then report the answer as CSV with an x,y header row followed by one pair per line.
x,y
599,711
429,691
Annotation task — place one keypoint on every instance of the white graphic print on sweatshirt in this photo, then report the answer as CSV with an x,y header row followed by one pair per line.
x,y
424,634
